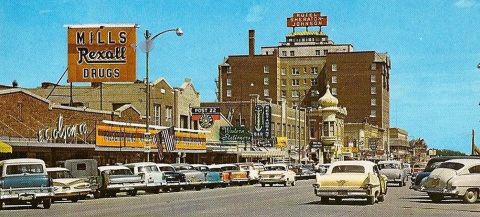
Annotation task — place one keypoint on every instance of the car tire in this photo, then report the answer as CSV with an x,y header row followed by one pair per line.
x,y
338,200
293,183
324,200
285,184
263,184
435,197
371,200
47,203
1,205
471,196
198,188
133,193
381,198
34,204
74,199
270,185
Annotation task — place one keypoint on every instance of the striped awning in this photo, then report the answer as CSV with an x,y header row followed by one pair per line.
x,y
5,148
269,153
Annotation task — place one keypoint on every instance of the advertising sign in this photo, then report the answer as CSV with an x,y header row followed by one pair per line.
x,y
102,53
262,123
234,134
205,115
307,19
282,142
373,143
315,144
62,131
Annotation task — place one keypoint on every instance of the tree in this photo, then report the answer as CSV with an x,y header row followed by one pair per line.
x,y
447,152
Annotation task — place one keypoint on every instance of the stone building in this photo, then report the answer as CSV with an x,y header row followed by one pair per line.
x,y
399,145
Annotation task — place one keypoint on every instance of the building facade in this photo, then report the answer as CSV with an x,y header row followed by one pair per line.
x,y
399,146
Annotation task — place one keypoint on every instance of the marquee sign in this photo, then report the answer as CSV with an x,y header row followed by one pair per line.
x,y
102,53
205,115
307,19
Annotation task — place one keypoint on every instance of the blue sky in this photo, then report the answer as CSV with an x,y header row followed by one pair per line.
x,y
434,46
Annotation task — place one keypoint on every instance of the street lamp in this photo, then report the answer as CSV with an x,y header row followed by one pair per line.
x,y
147,46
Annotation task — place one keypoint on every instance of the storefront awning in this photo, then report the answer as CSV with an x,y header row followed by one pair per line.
x,y
5,148
269,153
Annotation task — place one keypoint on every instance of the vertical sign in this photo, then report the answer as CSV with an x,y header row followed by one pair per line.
x,y
263,121
267,117
258,127
102,53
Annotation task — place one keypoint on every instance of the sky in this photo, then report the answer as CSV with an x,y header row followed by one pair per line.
x,y
434,46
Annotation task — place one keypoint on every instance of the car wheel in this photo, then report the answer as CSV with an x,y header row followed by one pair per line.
x,y
338,200
34,204
1,205
371,200
470,196
285,183
271,185
198,188
263,184
176,189
293,183
324,200
133,193
436,198
381,198
74,199
47,203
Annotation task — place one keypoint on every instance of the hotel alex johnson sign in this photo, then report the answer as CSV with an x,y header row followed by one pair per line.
x,y
307,19
101,53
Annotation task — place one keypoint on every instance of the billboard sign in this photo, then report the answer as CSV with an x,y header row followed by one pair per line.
x,y
307,19
234,134
205,115
102,53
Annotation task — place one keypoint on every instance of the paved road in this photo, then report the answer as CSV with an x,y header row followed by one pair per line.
x,y
252,201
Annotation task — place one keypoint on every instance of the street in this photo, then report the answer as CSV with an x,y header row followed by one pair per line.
x,y
251,201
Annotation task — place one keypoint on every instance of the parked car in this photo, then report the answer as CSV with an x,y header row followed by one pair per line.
x,y
212,178
151,176
25,181
431,165
117,179
456,178
252,173
87,169
418,167
351,179
227,170
239,174
277,174
194,179
322,168
394,172
408,168
307,171
66,186
224,175
174,179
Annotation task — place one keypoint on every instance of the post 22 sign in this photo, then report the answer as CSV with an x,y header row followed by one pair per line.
x,y
102,53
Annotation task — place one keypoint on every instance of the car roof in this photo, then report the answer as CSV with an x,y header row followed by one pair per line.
x,y
353,162
55,169
274,165
22,161
198,165
103,168
466,162
389,162
164,165
141,164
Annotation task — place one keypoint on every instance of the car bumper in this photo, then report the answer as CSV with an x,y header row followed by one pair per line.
x,y
341,192
439,191
125,187
239,180
273,181
395,180
26,196
72,193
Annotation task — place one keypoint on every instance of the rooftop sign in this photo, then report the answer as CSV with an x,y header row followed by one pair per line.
x,y
307,19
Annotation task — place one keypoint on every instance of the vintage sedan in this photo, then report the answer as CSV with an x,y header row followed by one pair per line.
x,y
117,179
351,179
224,175
66,186
394,171
194,179
277,174
175,180
213,178
252,173
151,175
456,178
24,181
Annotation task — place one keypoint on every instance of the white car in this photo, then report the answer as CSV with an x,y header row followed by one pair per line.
x,y
277,174
66,186
119,179
252,173
151,175
394,171
456,178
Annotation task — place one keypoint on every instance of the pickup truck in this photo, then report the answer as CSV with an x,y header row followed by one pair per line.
x,y
86,169
25,181
119,179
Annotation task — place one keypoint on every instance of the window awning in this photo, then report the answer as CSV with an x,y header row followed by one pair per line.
x,y
5,148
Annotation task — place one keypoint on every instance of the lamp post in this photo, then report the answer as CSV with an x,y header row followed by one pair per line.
x,y
148,46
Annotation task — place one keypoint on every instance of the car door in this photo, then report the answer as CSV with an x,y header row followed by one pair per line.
x,y
382,180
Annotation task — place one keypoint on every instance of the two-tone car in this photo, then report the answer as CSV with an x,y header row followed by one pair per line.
x,y
224,175
25,181
66,186
351,179
394,172
174,180
213,178
252,173
194,179
456,178
151,176
117,179
277,174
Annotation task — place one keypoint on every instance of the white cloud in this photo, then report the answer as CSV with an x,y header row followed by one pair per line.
x,y
465,3
45,12
255,14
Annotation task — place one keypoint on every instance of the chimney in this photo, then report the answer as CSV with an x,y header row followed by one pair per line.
x,y
251,42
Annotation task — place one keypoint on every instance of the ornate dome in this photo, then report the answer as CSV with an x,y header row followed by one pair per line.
x,y
328,100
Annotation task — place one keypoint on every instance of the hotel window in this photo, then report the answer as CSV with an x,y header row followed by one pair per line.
x,y
295,82
373,66
334,91
284,82
284,71
168,116
265,81
157,111
317,52
314,70
284,53
295,93
373,90
229,82
373,113
334,67
295,71
229,93
334,79
229,70
265,92
373,102
328,128
284,93
373,78
266,69
292,53
314,82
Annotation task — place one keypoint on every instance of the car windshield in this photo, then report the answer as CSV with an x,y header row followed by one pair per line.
x,y
184,168
201,168
60,174
348,169
432,166
120,172
166,169
244,167
24,168
389,166
274,168
215,169
148,169
451,165
226,168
